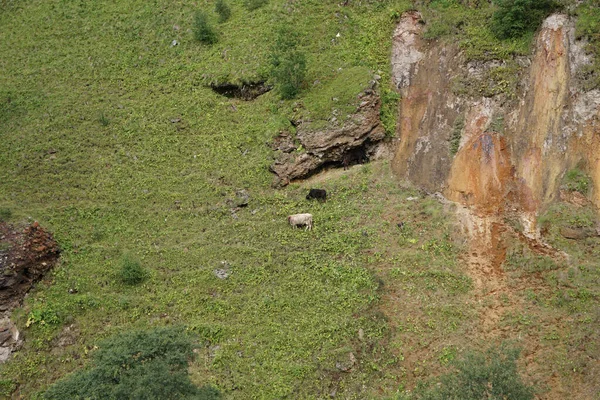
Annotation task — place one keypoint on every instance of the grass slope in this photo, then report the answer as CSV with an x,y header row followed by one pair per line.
x,y
89,94
111,139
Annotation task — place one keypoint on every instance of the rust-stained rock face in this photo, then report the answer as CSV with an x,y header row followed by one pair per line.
x,y
499,158
330,145
423,154
538,140
481,175
549,128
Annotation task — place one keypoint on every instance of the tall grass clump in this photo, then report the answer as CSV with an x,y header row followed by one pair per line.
x,y
149,364
5,214
203,30
223,10
131,272
288,63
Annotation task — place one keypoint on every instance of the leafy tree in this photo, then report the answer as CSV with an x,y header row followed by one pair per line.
x,y
223,10
203,31
288,63
136,365
513,18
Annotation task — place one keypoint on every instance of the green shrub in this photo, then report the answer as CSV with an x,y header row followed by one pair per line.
x,y
131,272
223,10
103,120
252,5
5,214
577,181
288,64
588,27
389,110
149,364
492,375
457,128
514,18
203,31
7,387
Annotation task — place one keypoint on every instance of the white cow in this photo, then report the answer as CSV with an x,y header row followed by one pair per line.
x,y
299,220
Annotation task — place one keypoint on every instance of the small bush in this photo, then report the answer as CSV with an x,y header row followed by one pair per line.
x,y
288,64
131,272
203,31
252,5
389,110
223,10
457,128
514,18
103,120
577,181
588,27
492,375
5,214
136,365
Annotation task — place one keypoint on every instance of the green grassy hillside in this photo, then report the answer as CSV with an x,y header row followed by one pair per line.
x,y
111,138
89,93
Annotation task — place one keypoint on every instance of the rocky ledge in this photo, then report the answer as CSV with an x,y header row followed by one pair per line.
x,y
359,136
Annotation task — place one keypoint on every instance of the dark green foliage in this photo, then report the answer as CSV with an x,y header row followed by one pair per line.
x,y
492,375
252,5
5,214
288,64
223,10
7,386
103,120
389,110
136,365
514,18
459,124
577,181
203,31
131,272
588,27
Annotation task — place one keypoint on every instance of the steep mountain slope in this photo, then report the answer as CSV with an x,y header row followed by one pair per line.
x,y
118,135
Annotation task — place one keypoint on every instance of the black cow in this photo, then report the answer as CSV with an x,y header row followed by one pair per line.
x,y
319,194
357,155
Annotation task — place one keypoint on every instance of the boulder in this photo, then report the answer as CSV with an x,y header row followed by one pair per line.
x,y
9,339
577,233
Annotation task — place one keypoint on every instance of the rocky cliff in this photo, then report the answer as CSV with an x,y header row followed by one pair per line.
x,y
495,152
498,158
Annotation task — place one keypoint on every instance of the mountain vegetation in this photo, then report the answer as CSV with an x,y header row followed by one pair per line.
x,y
113,138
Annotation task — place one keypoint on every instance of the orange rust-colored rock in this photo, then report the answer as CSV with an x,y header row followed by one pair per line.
x,y
481,175
549,127
538,138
